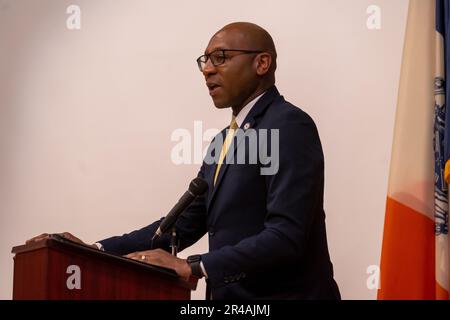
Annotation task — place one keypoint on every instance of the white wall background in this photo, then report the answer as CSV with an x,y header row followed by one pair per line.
x,y
86,116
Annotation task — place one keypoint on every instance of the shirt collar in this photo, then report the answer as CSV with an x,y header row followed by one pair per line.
x,y
245,110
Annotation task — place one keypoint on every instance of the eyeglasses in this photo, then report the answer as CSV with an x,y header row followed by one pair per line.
x,y
218,57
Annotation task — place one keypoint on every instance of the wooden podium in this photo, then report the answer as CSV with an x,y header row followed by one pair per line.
x,y
57,268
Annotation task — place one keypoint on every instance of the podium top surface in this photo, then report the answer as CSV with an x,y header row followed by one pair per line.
x,y
58,242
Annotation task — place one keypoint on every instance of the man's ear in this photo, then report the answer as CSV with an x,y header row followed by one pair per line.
x,y
263,62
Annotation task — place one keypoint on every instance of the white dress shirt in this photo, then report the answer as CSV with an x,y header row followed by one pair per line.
x,y
245,110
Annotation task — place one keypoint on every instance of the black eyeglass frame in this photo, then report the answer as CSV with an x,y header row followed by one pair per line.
x,y
208,56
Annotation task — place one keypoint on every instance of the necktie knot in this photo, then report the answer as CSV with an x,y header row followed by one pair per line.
x,y
233,124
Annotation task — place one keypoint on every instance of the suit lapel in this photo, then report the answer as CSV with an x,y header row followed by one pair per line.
x,y
249,122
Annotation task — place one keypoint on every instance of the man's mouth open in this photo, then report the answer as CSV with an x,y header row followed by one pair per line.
x,y
213,88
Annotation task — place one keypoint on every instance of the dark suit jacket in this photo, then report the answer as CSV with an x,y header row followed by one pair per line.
x,y
267,233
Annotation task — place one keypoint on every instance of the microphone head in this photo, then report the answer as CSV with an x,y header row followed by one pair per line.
x,y
198,186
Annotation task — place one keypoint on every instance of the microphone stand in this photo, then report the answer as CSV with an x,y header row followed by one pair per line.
x,y
174,241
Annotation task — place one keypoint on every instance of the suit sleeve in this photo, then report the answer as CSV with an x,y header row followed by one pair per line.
x,y
191,226
294,198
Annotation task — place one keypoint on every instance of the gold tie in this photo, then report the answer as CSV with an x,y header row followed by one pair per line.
x,y
225,146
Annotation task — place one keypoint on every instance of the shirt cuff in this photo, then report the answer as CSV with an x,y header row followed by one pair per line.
x,y
203,270
99,246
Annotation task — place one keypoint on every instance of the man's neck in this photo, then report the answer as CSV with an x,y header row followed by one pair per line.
x,y
256,93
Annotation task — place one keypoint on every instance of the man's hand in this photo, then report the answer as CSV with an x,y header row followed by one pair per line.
x,y
162,258
66,235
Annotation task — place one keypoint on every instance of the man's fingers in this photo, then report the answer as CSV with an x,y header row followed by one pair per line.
x,y
43,236
161,258
133,255
38,238
71,237
139,256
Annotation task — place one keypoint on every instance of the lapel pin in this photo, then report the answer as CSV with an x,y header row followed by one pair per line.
x,y
247,125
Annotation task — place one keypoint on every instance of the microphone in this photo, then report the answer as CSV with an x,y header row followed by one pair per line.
x,y
197,187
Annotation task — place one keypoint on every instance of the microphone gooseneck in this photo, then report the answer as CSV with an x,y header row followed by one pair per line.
x,y
197,187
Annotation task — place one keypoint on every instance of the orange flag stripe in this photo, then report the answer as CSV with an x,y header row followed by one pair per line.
x,y
441,293
407,262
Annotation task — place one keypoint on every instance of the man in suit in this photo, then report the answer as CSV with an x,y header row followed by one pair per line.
x,y
267,232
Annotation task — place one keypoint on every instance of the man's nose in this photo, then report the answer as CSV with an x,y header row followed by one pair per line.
x,y
209,68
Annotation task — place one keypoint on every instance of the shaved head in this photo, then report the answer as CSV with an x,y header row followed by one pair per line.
x,y
251,37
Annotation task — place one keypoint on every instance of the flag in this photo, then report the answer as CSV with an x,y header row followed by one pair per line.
x,y
442,149
414,262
